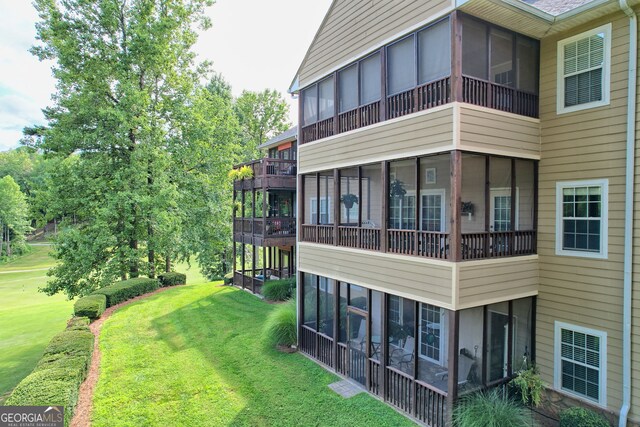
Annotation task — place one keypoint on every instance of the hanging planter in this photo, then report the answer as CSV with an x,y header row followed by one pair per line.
x,y
349,200
396,188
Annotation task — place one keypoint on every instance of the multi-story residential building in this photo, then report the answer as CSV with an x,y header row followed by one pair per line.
x,y
264,223
465,200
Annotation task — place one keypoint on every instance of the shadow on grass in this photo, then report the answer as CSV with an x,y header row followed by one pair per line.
x,y
22,363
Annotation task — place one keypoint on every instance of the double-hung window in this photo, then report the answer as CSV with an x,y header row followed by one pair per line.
x,y
581,362
584,68
581,218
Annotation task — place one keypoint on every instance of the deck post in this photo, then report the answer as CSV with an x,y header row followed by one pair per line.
x,y
336,205
456,58
455,240
452,385
384,208
487,206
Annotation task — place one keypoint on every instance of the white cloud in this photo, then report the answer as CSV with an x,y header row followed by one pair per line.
x,y
255,44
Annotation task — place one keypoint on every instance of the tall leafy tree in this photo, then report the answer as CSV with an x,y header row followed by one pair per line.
x,y
139,134
262,115
14,215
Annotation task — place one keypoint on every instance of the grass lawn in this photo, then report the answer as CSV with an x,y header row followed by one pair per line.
x,y
192,356
28,318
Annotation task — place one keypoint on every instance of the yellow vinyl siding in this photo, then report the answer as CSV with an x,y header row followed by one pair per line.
x,y
584,145
490,131
407,136
417,278
486,282
354,27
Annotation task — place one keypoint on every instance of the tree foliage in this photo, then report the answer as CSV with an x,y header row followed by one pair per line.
x,y
143,148
14,217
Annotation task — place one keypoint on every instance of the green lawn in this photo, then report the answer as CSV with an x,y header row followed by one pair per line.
x,y
28,318
191,356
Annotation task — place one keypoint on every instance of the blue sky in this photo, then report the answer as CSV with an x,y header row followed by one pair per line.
x,y
255,44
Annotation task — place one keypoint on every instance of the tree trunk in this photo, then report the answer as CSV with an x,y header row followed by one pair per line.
x,y
8,242
1,238
134,269
167,264
151,252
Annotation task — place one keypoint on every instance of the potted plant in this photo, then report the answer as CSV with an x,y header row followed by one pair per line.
x,y
396,188
349,200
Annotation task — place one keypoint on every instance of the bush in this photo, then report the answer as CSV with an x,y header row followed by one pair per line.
x,y
78,323
71,343
127,289
489,409
51,387
279,290
79,364
582,417
280,326
91,306
228,278
172,279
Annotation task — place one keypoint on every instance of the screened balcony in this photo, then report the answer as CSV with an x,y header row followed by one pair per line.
x,y
485,65
407,207
268,173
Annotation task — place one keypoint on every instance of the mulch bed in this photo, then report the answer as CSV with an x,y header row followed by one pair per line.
x,y
82,415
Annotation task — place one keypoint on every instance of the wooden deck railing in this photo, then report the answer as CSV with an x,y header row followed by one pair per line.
x,y
431,405
425,243
325,349
265,227
429,95
270,167
307,340
398,389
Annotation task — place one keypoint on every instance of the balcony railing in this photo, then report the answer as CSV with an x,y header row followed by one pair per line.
x,y
271,167
439,92
424,243
265,227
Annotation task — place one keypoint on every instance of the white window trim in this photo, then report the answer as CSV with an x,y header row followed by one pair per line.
x,y
313,211
443,338
604,218
557,365
435,192
504,191
606,71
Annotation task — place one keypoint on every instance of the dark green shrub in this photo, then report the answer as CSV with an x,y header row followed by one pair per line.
x,y
71,343
79,364
489,409
127,289
91,306
51,387
171,279
279,290
228,278
78,323
582,417
280,326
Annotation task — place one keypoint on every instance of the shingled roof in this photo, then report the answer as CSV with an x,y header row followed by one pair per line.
x,y
556,7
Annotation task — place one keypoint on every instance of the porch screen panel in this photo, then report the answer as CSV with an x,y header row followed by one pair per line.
x,y
432,345
349,197
371,197
376,324
310,105
370,79
473,189
527,53
402,345
327,198
310,289
326,306
348,88
434,52
474,48
497,340
310,199
500,200
522,333
471,349
342,313
525,183
402,195
401,66
325,93
502,57
435,189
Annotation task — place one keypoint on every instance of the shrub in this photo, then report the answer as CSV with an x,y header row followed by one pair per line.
x,y
582,417
280,326
279,290
79,364
127,289
91,306
71,343
78,323
172,279
489,409
228,278
51,387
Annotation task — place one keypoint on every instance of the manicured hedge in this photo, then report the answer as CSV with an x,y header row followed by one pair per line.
x,y
91,306
172,279
57,377
127,289
279,290
582,417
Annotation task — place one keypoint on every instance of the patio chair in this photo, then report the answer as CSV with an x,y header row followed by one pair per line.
x,y
403,355
367,223
362,336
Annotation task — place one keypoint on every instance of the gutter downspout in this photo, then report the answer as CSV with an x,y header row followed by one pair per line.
x,y
628,214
